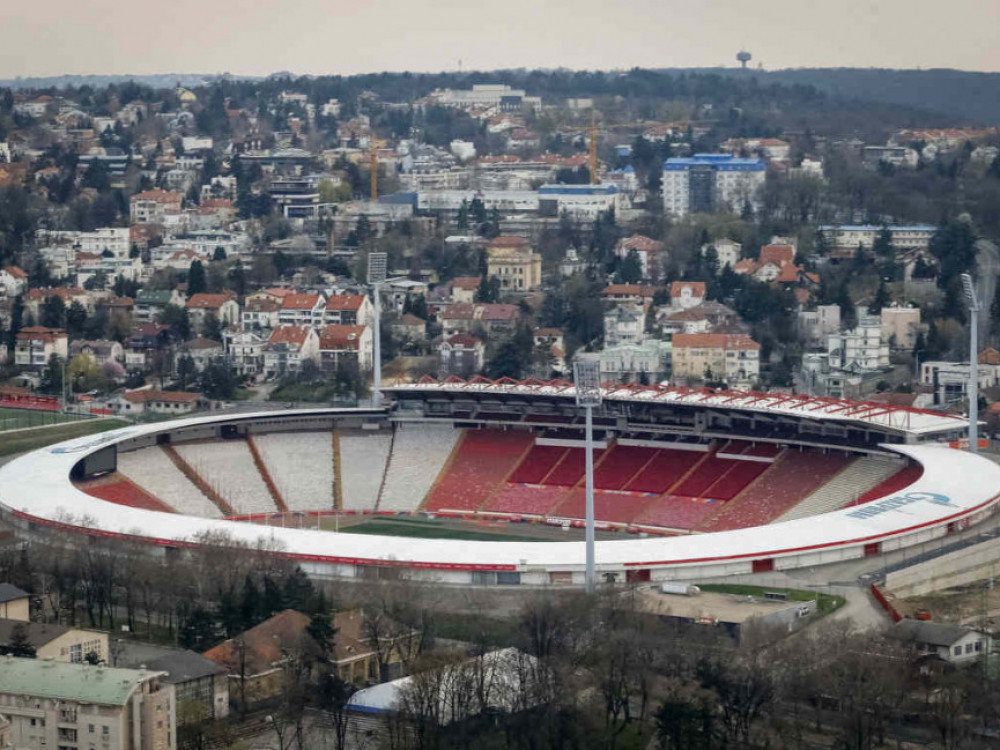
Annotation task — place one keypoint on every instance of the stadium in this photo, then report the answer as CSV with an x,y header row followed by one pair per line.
x,y
689,483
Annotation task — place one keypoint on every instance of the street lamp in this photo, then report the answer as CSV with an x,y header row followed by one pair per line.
x,y
377,265
973,303
587,376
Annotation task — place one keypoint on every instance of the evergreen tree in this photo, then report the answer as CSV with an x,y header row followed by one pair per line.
x,y
881,299
631,268
53,312
250,606
76,319
848,313
198,632
196,278
20,643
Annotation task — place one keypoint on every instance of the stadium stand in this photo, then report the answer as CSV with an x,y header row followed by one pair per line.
x,y
229,469
675,512
153,471
363,457
117,488
538,464
665,469
570,469
857,478
301,465
480,462
525,499
705,474
419,451
904,478
621,464
786,482
736,478
616,507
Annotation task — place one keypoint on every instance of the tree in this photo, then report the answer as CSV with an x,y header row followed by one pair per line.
x,y
199,632
84,374
219,254
488,290
212,328
196,278
53,314
217,381
631,268
20,643
881,299
848,313
186,371
52,377
177,319
76,318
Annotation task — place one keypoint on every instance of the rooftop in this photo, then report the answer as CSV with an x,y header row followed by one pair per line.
x,y
9,593
70,682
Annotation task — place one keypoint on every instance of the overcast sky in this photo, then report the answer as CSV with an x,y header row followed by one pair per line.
x,y
257,37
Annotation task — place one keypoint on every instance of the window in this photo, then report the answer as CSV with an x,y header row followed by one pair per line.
x,y
968,648
958,651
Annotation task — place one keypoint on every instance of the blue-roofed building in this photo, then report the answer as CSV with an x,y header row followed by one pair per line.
x,y
710,183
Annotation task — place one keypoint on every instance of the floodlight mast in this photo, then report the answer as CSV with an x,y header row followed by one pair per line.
x,y
973,388
377,265
587,376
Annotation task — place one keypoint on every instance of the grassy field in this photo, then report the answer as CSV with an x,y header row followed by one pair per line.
x,y
426,529
16,419
20,442
826,603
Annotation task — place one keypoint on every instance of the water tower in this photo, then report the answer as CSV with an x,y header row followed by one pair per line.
x,y
744,57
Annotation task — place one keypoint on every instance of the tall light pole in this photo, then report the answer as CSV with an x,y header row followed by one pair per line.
x,y
587,376
973,302
377,267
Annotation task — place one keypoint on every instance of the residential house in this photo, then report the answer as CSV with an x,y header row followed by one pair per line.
x,y
152,206
463,288
514,263
634,294
245,351
816,326
146,341
861,349
302,310
256,659
733,358
58,705
687,294
202,351
550,341
624,325
260,313
35,345
223,307
489,318
158,402
462,355
948,382
13,281
149,303
409,328
647,250
340,342
349,310
56,642
727,251
630,363
900,326
288,347
15,604
100,351
196,681
950,643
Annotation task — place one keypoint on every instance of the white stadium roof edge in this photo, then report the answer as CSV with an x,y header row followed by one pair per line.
x,y
821,408
956,489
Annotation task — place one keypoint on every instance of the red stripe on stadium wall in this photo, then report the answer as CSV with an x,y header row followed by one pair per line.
x,y
821,545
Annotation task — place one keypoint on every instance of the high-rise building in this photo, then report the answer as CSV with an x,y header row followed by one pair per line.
x,y
710,183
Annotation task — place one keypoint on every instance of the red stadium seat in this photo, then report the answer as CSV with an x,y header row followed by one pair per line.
x,y
903,478
481,463
620,465
666,468
537,464
127,493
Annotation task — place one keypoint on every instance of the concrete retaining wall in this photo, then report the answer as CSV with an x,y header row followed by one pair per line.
x,y
958,568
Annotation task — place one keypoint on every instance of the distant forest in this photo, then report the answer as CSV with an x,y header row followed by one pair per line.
x,y
853,97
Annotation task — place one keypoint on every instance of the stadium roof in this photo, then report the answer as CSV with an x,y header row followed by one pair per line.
x,y
871,413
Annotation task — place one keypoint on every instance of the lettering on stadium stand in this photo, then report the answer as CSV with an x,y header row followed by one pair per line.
x,y
894,503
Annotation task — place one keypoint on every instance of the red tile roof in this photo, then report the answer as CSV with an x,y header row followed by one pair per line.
x,y
466,283
296,335
777,254
203,301
629,290
16,272
338,338
714,341
464,340
300,302
697,288
340,302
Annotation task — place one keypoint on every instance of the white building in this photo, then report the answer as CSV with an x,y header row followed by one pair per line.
x,y
816,326
860,349
710,183
900,326
847,237
632,362
727,251
949,381
624,325
115,240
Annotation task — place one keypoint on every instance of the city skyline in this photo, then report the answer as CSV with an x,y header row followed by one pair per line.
x,y
63,38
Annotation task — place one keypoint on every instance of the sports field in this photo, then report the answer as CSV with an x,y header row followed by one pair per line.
x,y
451,528
18,419
19,442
